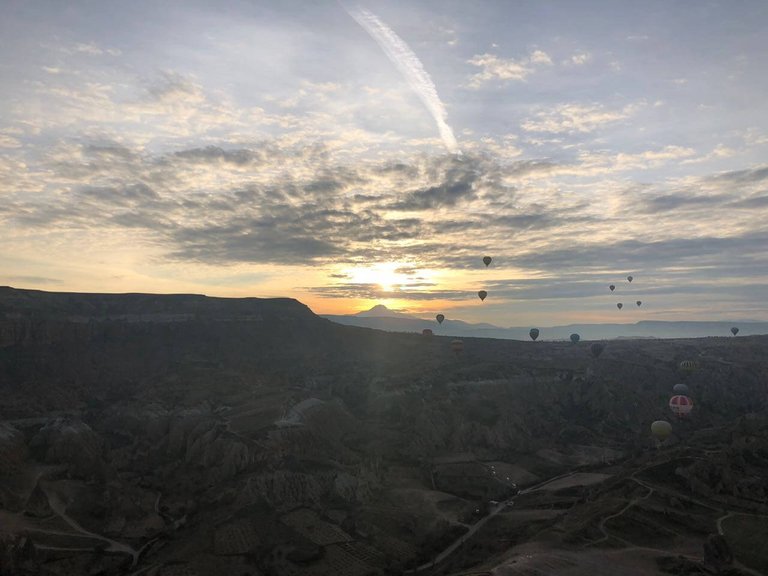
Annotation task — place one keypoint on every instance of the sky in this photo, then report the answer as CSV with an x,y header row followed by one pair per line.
x,y
350,154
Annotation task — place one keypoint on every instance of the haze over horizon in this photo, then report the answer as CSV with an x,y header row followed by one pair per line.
x,y
270,151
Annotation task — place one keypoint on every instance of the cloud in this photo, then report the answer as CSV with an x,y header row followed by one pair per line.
x,y
578,59
497,68
7,141
33,280
376,292
411,68
575,118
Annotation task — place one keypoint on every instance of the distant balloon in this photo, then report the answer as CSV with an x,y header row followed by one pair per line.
x,y
661,429
619,305
482,294
630,278
680,389
612,287
440,318
639,303
457,346
734,330
534,333
680,405
575,338
487,260
427,332
688,366
597,349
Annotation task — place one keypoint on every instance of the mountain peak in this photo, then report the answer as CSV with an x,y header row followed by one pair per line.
x,y
380,311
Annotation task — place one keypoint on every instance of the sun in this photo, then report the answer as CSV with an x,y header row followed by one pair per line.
x,y
385,275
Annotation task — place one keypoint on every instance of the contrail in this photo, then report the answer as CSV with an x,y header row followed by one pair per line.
x,y
409,66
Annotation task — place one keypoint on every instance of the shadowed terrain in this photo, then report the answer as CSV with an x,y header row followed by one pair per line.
x,y
185,435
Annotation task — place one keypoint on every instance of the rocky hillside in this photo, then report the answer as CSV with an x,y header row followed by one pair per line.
x,y
188,435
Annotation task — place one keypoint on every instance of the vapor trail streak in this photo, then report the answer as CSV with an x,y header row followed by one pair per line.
x,y
411,68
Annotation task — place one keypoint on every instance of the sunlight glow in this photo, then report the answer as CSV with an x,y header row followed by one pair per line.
x,y
385,275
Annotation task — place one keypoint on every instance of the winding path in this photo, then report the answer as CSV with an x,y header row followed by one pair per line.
x,y
58,506
479,524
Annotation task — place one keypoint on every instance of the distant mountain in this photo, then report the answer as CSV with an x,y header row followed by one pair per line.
x,y
381,311
398,322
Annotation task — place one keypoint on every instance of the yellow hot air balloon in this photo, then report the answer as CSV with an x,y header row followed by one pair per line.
x,y
661,429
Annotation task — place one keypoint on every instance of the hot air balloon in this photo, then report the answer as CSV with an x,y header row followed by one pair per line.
x,y
457,346
612,287
734,330
597,349
688,366
680,389
534,333
426,332
575,338
440,318
487,260
680,405
629,278
482,294
639,302
619,305
661,429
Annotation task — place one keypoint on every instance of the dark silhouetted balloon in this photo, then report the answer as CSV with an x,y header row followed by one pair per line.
x,y
482,294
661,429
597,349
680,405
426,332
680,389
457,346
534,333
575,338
734,330
619,305
612,287
440,318
487,260
630,278
639,303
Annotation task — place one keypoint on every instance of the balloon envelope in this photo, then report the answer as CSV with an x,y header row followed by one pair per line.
x,y
612,287
680,405
661,429
534,333
482,294
426,332
440,318
487,260
687,366
680,389
457,346
619,305
639,302
734,330
575,338
629,278
597,349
